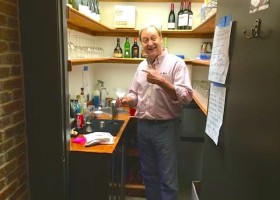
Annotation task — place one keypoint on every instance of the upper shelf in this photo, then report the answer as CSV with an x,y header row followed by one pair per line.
x,y
196,1
82,23
80,61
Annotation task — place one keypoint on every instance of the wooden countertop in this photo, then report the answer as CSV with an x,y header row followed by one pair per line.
x,y
103,148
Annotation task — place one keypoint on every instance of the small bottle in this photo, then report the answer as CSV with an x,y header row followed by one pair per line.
x,y
118,50
165,45
126,48
135,49
171,18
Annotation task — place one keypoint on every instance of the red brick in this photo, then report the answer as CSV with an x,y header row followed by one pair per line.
x,y
3,20
13,59
12,22
5,122
15,70
9,9
17,94
4,72
14,46
9,34
4,46
10,84
11,107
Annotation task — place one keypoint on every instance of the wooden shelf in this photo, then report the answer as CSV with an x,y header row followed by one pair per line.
x,y
80,61
135,186
82,23
201,101
195,1
135,190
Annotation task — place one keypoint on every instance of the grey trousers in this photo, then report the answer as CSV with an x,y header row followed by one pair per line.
x,y
157,141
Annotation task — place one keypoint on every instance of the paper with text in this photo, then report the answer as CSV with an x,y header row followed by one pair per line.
x,y
215,111
219,58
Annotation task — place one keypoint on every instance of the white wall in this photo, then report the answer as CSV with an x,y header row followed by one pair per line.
x,y
120,75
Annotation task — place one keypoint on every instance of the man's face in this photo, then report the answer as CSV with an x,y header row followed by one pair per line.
x,y
151,42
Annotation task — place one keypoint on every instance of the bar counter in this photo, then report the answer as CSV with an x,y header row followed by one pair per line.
x,y
103,148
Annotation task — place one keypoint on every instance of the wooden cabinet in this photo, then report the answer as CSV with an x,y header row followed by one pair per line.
x,y
134,182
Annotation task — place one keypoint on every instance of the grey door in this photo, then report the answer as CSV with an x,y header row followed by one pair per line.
x,y
245,164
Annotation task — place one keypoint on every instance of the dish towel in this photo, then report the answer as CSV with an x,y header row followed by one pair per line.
x,y
99,138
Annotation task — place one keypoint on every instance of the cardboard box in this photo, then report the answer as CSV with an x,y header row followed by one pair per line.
x,y
125,16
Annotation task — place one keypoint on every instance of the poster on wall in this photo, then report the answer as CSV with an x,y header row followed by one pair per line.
x,y
257,5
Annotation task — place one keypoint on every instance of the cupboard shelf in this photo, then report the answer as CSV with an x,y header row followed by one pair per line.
x,y
82,23
79,61
201,101
195,1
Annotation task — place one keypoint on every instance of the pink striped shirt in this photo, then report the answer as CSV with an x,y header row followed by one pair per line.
x,y
150,100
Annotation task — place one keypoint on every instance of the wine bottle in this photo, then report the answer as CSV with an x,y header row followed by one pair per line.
x,y
184,17
179,15
118,50
126,48
171,18
190,20
135,49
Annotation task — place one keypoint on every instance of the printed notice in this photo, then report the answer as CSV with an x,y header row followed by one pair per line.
x,y
219,58
215,111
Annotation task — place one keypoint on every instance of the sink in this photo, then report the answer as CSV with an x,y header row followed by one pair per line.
x,y
111,126
107,110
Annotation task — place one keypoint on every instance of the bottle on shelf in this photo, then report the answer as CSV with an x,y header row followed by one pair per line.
x,y
75,4
165,45
126,48
70,3
190,20
184,16
179,15
118,50
171,18
135,49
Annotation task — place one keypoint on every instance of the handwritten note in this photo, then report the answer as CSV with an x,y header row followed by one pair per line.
x,y
219,58
215,111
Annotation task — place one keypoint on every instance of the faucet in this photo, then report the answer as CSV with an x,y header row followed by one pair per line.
x,y
101,98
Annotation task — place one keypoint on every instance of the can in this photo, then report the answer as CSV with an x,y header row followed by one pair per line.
x,y
80,120
102,124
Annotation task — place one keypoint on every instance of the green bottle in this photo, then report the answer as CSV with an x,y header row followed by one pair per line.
x,y
126,49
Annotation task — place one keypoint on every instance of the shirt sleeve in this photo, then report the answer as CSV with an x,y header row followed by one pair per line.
x,y
182,83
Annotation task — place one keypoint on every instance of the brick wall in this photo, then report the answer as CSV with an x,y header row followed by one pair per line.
x,y
13,145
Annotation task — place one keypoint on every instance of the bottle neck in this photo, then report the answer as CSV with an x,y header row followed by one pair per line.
x,y
172,7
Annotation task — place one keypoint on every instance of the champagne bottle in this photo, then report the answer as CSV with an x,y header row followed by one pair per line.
x,y
171,18
179,16
135,49
126,48
184,17
118,50
190,20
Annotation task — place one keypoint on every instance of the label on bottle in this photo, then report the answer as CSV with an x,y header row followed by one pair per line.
x,y
183,21
118,55
171,25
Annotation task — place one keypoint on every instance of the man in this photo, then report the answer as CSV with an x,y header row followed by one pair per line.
x,y
159,89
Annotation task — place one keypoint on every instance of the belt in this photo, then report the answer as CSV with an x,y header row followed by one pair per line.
x,y
157,121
